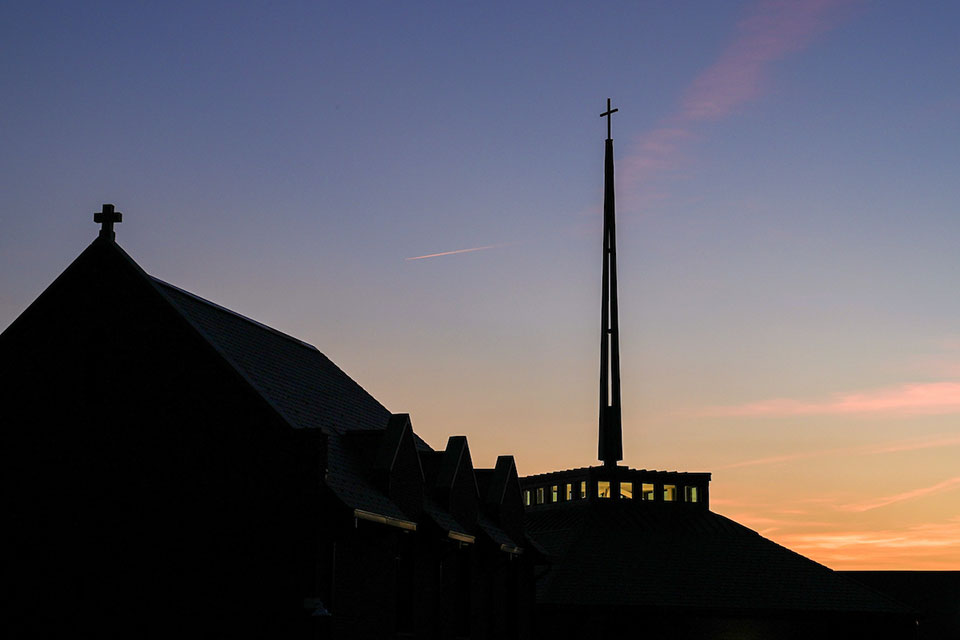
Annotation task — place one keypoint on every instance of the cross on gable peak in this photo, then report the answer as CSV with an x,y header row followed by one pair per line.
x,y
106,218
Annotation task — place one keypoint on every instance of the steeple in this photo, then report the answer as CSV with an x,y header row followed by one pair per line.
x,y
611,433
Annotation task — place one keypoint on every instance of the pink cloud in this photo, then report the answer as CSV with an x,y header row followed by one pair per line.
x,y
770,31
654,152
923,398
868,505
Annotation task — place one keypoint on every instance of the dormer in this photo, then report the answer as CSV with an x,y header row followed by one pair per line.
x,y
456,485
397,467
502,498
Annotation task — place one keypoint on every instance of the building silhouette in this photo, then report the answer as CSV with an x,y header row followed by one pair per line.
x,y
175,468
638,553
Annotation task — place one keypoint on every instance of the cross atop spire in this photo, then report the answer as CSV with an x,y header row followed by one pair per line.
x,y
606,114
106,218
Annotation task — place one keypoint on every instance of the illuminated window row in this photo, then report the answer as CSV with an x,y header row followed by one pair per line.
x,y
544,495
648,492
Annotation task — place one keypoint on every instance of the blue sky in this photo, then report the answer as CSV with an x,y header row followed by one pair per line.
x,y
787,209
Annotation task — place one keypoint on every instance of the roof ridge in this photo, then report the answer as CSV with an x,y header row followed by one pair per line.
x,y
233,313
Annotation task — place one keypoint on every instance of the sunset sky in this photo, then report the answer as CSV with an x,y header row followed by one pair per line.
x,y
415,188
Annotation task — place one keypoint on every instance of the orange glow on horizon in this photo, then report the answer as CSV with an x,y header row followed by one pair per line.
x,y
926,547
816,503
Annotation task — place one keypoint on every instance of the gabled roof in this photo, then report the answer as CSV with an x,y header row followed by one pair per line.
x,y
643,555
455,457
389,447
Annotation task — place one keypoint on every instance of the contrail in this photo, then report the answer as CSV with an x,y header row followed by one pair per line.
x,y
450,253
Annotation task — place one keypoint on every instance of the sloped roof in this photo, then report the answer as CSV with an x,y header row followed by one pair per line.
x,y
305,387
496,534
348,478
444,519
635,554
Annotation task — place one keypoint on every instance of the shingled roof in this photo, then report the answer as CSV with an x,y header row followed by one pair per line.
x,y
635,554
302,384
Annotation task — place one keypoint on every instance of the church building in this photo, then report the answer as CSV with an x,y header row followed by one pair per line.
x,y
638,553
176,469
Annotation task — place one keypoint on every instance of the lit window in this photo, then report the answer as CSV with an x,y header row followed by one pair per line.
x,y
690,494
603,489
669,492
647,492
554,493
583,489
539,495
526,497
626,490
569,492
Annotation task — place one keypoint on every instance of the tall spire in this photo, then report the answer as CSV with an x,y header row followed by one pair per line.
x,y
611,431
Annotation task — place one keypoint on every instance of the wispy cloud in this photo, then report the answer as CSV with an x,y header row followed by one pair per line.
x,y
922,546
876,503
755,520
655,152
924,398
913,444
925,545
789,457
872,538
450,253
770,31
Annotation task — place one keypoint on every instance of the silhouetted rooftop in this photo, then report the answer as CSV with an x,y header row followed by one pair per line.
x,y
307,391
626,553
